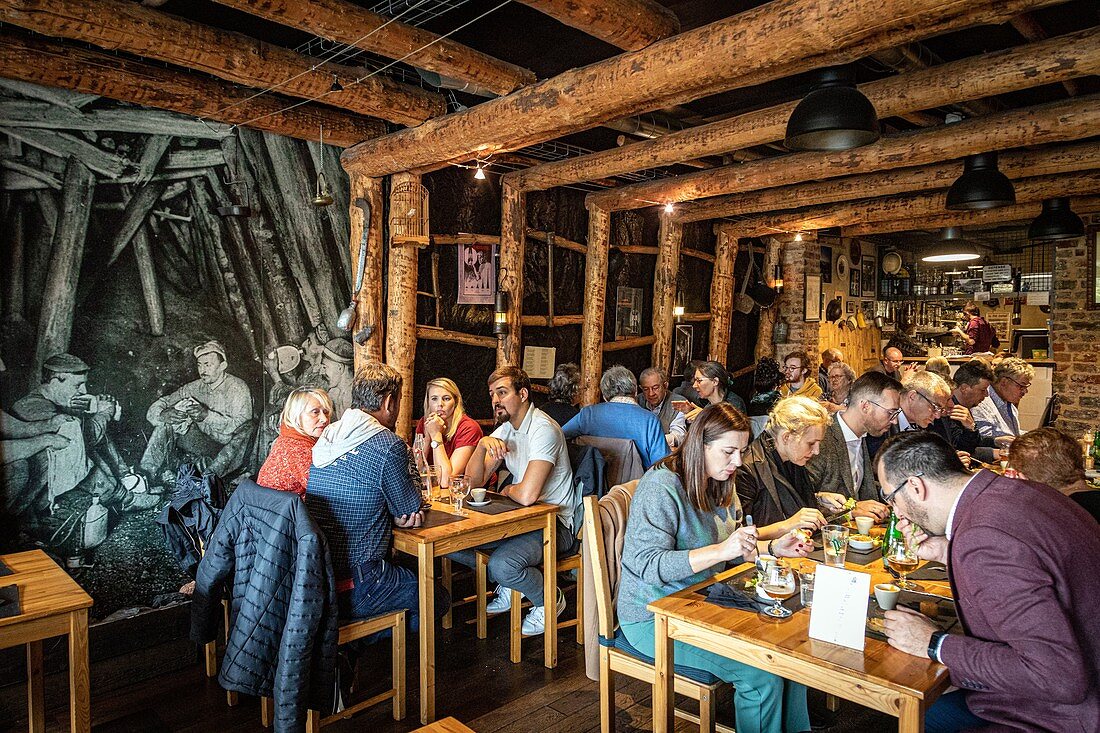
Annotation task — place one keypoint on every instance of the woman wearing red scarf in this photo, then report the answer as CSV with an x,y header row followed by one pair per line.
x,y
306,413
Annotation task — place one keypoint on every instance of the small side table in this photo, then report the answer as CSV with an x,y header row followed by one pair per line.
x,y
52,605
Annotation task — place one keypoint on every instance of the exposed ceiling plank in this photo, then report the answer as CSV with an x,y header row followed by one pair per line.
x,y
1075,54
915,57
626,24
125,26
1056,122
348,23
54,64
20,113
66,146
761,44
1004,214
1029,28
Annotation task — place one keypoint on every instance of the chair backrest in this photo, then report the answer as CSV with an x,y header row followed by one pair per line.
x,y
624,462
601,516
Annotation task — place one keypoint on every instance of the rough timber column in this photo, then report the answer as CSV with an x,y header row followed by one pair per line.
x,y
369,306
721,292
595,296
401,316
764,345
669,238
513,247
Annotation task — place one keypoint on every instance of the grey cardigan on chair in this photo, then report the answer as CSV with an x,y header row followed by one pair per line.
x,y
831,470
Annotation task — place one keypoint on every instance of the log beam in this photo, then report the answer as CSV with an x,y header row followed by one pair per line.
x,y
54,64
553,322
350,24
635,342
721,292
1028,27
627,24
1065,57
26,113
401,320
432,333
558,241
595,298
1055,122
666,276
63,146
513,250
116,24
1002,215
134,217
765,43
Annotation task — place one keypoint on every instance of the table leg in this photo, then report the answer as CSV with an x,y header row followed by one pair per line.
x,y
79,694
664,679
425,557
550,590
36,705
910,715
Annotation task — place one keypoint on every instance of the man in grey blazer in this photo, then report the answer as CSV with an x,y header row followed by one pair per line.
x,y
843,468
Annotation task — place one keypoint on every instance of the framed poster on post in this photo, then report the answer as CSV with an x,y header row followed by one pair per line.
x,y
869,288
812,299
682,348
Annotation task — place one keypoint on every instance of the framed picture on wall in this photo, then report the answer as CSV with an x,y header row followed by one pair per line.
x,y
812,296
477,278
683,341
850,306
868,277
826,264
854,280
628,312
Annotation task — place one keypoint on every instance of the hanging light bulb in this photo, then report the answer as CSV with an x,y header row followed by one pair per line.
x,y
981,186
479,174
798,236
678,309
834,116
500,313
1056,221
669,208
336,85
778,279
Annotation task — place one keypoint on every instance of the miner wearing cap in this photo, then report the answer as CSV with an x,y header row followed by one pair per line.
x,y
207,420
336,366
81,419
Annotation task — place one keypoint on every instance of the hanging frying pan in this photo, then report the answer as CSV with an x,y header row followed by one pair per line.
x,y
834,310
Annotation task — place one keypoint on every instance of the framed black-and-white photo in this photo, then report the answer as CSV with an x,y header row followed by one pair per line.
x,y
854,280
682,344
850,306
628,312
826,264
477,278
812,297
869,289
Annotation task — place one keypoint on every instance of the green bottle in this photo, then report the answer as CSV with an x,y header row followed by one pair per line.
x,y
892,533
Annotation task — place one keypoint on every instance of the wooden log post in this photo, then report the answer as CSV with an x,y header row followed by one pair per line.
x,y
368,313
513,249
14,302
55,323
38,256
150,289
764,345
721,292
666,277
328,162
626,24
595,298
401,317
134,216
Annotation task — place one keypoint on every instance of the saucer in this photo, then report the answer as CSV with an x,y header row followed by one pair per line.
x,y
479,503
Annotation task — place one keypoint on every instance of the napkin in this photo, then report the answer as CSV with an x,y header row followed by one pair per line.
x,y
728,597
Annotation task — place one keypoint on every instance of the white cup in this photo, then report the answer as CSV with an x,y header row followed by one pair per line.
x,y
887,596
864,524
477,495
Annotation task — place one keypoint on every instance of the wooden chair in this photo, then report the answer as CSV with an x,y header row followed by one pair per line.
x,y
696,684
210,658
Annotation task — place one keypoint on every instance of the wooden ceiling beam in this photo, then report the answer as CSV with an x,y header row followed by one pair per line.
x,y
765,43
1002,215
53,64
126,26
1026,25
1075,54
1014,164
350,24
1055,122
627,24
26,113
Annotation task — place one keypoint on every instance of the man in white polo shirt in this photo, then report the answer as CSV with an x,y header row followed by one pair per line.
x,y
531,446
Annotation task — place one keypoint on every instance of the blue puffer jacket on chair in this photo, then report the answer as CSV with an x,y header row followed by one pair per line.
x,y
282,620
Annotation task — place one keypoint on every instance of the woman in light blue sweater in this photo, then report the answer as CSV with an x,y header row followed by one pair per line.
x,y
685,525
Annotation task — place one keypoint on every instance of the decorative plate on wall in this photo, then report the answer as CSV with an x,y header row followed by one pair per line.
x,y
842,267
855,251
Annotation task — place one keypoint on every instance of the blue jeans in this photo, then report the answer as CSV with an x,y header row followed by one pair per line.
x,y
388,587
950,713
764,702
514,562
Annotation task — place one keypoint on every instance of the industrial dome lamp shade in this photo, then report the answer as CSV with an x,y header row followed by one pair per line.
x,y
834,116
981,186
951,234
1056,221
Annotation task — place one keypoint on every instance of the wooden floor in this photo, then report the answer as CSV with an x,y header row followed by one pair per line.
x,y
477,685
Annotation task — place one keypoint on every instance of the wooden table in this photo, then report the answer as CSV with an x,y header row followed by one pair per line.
x,y
880,677
53,605
447,725
474,530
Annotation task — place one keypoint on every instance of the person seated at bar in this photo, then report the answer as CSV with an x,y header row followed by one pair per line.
x,y
656,397
924,398
307,412
565,389
972,381
712,383
1053,458
620,416
531,446
890,364
685,524
773,485
1022,562
828,358
998,415
766,380
451,434
362,485
939,365
843,469
797,367
841,378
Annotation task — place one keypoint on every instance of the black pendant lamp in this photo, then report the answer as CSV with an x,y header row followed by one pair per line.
x,y
834,116
981,186
1056,221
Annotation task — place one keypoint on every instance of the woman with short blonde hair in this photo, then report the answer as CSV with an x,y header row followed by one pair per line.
x,y
308,410
450,433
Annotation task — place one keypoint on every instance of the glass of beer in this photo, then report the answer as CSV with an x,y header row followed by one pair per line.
x,y
901,556
778,584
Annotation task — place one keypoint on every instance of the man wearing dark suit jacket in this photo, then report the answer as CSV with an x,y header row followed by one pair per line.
x,y
924,397
1025,591
843,467
972,382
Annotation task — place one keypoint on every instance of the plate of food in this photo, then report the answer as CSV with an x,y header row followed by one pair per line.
x,y
862,542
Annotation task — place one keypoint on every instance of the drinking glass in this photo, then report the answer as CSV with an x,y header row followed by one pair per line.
x,y
460,489
1006,449
430,480
806,589
901,556
418,451
778,584
834,539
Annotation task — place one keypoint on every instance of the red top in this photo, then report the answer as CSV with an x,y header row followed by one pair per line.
x,y
982,333
468,434
287,465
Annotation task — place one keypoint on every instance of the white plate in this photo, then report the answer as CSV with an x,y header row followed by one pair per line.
x,y
479,503
862,546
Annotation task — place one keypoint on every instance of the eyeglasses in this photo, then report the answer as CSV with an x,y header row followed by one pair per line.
x,y
793,368
889,498
936,409
1023,387
893,413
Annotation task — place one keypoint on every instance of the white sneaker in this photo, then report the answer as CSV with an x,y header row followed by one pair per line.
x,y
502,602
535,623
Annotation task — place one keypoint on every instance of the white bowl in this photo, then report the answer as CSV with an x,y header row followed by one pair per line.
x,y
862,545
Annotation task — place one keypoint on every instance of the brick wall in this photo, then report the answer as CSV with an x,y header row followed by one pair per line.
x,y
1075,337
795,257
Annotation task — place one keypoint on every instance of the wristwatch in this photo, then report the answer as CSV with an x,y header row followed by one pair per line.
x,y
934,645
435,444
